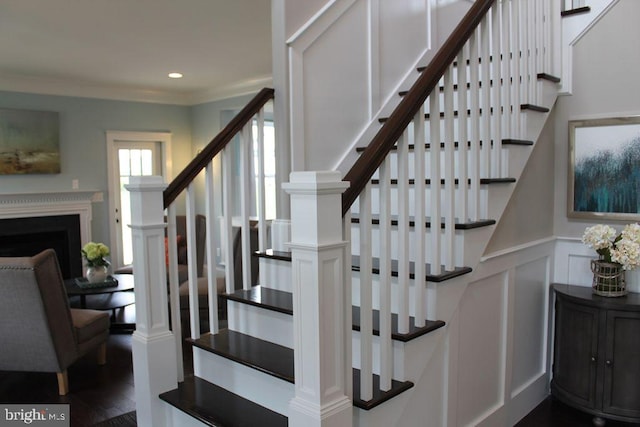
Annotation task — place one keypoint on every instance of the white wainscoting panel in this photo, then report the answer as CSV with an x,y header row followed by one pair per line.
x,y
530,323
499,366
481,348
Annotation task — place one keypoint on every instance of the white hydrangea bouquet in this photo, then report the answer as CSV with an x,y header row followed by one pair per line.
x,y
95,253
623,248
617,253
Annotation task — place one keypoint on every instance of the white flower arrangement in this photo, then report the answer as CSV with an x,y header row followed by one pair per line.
x,y
623,248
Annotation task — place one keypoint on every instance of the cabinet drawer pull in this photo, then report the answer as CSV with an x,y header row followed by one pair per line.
x,y
608,363
593,359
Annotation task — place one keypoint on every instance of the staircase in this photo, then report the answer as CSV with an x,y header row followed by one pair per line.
x,y
349,322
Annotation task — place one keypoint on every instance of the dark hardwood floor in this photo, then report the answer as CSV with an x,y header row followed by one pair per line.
x,y
98,393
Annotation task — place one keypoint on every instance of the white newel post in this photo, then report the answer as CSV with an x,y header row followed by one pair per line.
x,y
153,344
323,374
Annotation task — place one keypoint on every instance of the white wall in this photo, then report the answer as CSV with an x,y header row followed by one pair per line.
x,y
345,67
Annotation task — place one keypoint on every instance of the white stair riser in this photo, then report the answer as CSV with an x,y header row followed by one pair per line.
x,y
263,389
375,201
427,163
258,322
178,418
375,244
408,357
276,274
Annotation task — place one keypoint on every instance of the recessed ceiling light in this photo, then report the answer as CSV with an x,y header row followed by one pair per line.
x,y
175,75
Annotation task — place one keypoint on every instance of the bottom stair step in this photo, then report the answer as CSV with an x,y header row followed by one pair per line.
x,y
277,361
218,407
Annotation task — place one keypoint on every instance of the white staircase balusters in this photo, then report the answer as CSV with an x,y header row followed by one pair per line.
x,y
449,198
485,96
384,276
495,94
174,296
246,187
403,256
366,295
434,157
212,286
227,215
462,210
475,135
420,229
192,259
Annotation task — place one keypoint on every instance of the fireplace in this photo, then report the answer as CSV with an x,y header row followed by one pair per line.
x,y
29,236
32,222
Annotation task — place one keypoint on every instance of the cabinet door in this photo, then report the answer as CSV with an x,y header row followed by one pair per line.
x,y
575,352
622,364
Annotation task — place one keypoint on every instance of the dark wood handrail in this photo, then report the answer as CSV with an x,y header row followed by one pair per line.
x,y
216,145
372,157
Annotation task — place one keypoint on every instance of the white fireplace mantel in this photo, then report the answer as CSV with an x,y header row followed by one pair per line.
x,y
22,205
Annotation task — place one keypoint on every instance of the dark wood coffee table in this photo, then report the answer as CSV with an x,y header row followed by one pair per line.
x,y
105,298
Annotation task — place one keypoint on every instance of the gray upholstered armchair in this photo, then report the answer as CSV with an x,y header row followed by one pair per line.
x,y
38,330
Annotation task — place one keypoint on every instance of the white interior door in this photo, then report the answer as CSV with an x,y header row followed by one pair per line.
x,y
130,154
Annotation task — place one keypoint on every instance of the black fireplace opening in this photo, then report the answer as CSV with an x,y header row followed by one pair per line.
x,y
31,235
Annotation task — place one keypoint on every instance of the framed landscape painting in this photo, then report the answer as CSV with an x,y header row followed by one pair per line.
x,y
604,169
29,142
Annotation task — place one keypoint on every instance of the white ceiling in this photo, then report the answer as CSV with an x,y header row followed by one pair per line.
x,y
124,49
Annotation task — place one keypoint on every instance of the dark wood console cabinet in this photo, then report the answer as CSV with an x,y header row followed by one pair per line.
x,y
596,365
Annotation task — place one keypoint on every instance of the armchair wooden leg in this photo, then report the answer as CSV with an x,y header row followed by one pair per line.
x,y
63,383
102,354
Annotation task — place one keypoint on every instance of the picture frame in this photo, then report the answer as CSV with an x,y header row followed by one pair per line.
x,y
604,169
29,142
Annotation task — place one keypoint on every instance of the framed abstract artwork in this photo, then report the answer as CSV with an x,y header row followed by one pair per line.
x,y
604,169
29,142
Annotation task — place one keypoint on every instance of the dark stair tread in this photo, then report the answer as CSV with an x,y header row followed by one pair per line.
x,y
511,141
414,331
456,181
468,61
215,406
576,11
549,77
264,356
241,348
456,113
271,254
445,275
269,299
375,219
282,301
456,144
379,396
532,107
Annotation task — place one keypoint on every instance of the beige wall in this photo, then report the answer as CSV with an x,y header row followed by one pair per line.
x,y
529,213
605,84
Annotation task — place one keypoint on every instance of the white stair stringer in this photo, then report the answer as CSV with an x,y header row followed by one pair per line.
x,y
264,389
